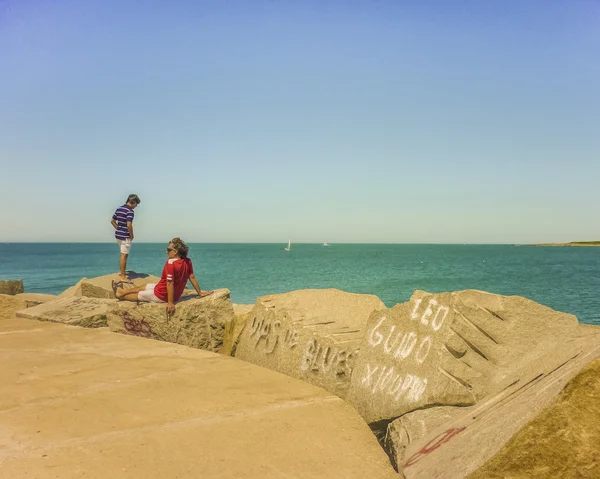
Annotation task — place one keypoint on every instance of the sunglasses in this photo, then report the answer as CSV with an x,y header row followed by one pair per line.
x,y
169,250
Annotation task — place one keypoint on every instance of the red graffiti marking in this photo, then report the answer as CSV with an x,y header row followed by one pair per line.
x,y
433,445
136,327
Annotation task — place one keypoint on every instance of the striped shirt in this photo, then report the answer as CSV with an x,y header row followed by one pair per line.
x,y
122,216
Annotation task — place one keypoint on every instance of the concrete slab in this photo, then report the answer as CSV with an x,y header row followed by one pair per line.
x,y
78,402
75,311
459,447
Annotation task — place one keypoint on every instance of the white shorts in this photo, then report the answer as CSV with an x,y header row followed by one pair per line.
x,y
148,296
125,245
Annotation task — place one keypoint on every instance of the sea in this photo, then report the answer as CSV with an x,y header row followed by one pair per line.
x,y
564,278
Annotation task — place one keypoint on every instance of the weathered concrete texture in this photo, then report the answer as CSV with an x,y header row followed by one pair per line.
x,y
11,286
414,426
10,304
33,299
88,403
197,322
234,327
452,349
562,441
312,335
13,303
464,443
74,311
240,309
101,286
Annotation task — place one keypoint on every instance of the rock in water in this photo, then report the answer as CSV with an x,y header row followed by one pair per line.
x,y
11,286
197,322
312,335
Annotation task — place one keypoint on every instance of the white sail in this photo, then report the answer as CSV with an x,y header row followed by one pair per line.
x,y
325,244
289,246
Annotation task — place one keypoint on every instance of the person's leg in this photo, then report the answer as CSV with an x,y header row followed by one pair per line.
x,y
123,267
125,246
123,294
128,297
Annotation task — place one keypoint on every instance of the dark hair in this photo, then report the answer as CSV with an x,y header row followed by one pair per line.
x,y
133,199
181,248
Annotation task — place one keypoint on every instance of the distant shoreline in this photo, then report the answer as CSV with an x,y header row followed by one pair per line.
x,y
572,243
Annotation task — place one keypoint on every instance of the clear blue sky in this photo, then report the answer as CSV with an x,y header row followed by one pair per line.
x,y
344,121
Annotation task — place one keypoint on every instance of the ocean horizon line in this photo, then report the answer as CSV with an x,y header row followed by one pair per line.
x,y
284,243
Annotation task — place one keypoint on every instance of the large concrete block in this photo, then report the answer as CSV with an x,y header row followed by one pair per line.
x,y
234,328
86,312
33,299
101,286
197,322
312,335
416,425
11,286
452,349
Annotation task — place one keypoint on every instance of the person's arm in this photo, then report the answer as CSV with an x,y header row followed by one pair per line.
x,y
169,272
196,286
170,298
114,223
130,224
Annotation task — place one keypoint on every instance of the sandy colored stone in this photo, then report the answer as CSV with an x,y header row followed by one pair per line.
x,y
197,322
101,286
234,327
11,286
465,442
77,311
240,309
452,349
33,299
562,441
412,427
73,291
310,334
89,403
10,304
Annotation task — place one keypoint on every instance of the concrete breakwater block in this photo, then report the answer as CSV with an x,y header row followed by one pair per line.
x,y
450,442
33,299
10,304
75,311
312,335
11,286
101,286
452,349
197,322
234,328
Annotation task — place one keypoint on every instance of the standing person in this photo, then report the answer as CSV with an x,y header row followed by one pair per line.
x,y
122,221
178,269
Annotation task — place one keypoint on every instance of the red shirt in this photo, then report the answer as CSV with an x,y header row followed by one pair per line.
x,y
177,270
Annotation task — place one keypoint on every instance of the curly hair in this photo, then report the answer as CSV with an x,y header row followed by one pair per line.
x,y
181,248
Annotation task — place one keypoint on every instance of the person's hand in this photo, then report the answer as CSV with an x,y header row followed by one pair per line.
x,y
170,309
205,293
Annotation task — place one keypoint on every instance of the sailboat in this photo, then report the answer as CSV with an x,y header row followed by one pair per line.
x,y
289,246
325,244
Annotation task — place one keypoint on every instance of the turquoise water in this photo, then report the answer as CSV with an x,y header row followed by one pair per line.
x,y
566,279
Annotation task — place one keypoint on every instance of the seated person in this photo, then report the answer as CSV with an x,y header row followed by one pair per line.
x,y
178,269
